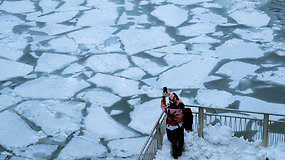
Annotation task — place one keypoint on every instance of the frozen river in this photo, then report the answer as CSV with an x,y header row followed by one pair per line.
x,y
82,79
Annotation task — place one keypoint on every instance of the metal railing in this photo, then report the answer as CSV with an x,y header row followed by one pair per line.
x,y
250,128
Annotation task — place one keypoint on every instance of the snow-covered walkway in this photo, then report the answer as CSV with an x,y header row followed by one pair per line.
x,y
219,144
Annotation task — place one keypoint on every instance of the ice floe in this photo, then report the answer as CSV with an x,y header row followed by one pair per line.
x,y
49,62
7,100
196,29
236,48
10,69
126,147
37,151
55,29
63,44
51,87
48,5
116,112
73,68
99,97
202,15
182,2
145,39
17,6
177,59
20,135
10,53
251,19
83,147
211,5
202,39
124,19
57,17
99,123
171,15
121,86
276,76
259,35
56,118
149,66
107,62
214,98
190,75
160,52
134,73
144,116
8,22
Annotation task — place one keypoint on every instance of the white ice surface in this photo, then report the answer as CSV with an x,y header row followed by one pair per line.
x,y
182,2
251,19
54,29
20,135
107,62
214,98
144,116
56,118
235,48
202,15
10,53
99,97
196,29
17,6
190,75
49,62
126,147
8,100
211,5
116,112
177,59
57,17
51,87
11,69
48,5
99,123
171,15
117,84
145,39
73,68
277,76
63,44
37,151
258,35
134,73
203,39
83,147
8,22
218,144
236,70
149,66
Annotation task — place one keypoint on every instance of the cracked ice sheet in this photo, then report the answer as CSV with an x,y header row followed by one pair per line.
x,y
183,2
251,19
8,100
277,76
20,135
108,130
38,151
134,73
256,35
49,62
171,15
107,62
57,17
202,39
73,69
214,98
83,147
117,84
202,15
124,19
145,39
17,6
54,29
10,53
56,118
236,48
126,147
62,44
139,120
51,87
99,97
11,69
190,75
196,29
149,66
160,52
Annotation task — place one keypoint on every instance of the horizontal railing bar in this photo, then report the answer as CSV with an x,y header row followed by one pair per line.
x,y
235,110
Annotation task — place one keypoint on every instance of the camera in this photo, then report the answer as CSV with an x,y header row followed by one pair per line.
x,y
165,89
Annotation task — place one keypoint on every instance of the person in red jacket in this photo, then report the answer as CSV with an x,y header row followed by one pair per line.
x,y
174,122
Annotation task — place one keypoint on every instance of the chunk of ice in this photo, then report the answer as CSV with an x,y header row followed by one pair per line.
x,y
48,62
11,69
57,17
15,132
51,87
171,15
134,73
258,35
203,39
251,19
196,29
104,18
10,53
73,68
107,62
182,2
63,44
37,151
122,86
140,121
148,65
277,76
17,6
108,130
8,100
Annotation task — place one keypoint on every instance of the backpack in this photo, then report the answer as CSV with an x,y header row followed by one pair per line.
x,y
187,119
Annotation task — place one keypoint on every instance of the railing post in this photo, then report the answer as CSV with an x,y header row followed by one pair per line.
x,y
265,130
201,122
159,138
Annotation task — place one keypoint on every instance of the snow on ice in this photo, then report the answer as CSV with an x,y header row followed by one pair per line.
x,y
7,100
17,6
144,116
49,62
104,80
108,130
11,69
51,87
197,29
10,137
37,151
258,35
134,73
171,15
56,118
73,68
